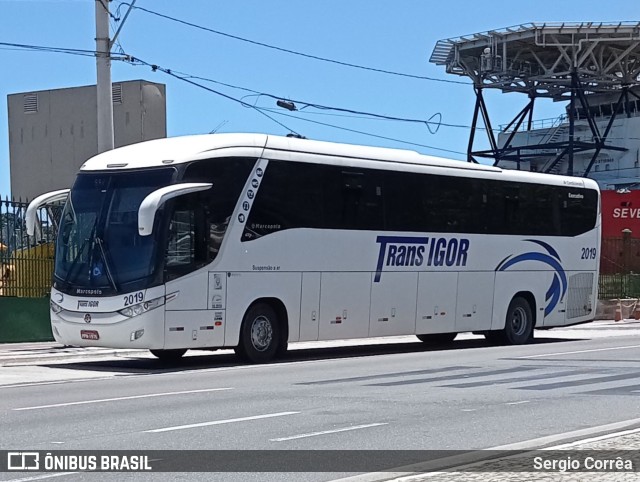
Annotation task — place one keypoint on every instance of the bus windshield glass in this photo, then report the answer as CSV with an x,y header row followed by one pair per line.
x,y
99,250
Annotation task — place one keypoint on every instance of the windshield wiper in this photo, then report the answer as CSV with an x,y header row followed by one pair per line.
x,y
106,263
80,251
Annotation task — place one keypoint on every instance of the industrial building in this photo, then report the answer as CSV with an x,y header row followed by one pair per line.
x,y
52,132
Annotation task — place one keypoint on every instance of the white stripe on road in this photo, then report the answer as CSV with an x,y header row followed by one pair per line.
x,y
41,477
431,469
324,432
133,397
220,422
580,351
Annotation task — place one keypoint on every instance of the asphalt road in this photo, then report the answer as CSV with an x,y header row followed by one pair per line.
x,y
397,396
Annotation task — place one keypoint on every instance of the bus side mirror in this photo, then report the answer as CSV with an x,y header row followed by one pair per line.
x,y
32,209
151,203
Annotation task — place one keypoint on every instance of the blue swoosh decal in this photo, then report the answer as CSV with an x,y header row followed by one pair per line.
x,y
558,287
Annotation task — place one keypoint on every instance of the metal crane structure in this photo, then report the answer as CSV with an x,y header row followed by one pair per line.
x,y
593,66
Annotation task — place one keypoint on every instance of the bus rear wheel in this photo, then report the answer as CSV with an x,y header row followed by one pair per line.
x,y
168,355
518,327
437,338
260,334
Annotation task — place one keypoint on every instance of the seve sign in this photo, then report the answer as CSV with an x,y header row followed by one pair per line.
x,y
620,211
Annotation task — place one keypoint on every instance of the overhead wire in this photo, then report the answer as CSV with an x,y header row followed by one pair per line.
x,y
263,111
60,50
304,103
155,68
292,52
274,111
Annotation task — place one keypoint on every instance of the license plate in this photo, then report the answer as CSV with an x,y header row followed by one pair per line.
x,y
89,335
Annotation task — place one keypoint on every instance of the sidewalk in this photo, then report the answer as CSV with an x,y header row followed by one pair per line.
x,y
12,353
583,455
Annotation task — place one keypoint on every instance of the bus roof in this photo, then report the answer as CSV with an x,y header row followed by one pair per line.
x,y
173,150
176,150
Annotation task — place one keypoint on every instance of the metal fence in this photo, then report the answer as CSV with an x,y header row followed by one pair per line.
x,y
26,264
619,268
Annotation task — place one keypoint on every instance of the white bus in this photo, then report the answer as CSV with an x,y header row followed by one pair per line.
x,y
251,241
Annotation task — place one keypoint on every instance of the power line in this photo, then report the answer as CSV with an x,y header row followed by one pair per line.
x,y
58,50
185,76
154,68
370,115
294,52
367,133
41,48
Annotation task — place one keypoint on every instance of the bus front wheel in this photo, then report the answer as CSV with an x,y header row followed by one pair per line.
x,y
259,335
168,355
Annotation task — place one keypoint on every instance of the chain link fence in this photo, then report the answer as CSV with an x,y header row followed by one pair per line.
x,y
26,264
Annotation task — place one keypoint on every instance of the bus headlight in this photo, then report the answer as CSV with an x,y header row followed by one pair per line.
x,y
55,307
138,309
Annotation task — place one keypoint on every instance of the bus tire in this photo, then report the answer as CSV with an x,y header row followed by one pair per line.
x,y
260,334
518,327
437,338
168,355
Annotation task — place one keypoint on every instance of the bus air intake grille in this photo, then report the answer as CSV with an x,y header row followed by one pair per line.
x,y
579,300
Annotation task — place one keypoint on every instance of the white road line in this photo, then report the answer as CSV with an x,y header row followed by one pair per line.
x,y
429,469
580,351
220,422
41,477
133,397
517,403
56,382
325,432
460,468
593,439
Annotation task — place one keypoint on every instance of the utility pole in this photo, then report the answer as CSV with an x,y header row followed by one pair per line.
x,y
103,70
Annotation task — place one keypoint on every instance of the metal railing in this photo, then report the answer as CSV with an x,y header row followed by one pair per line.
x,y
26,264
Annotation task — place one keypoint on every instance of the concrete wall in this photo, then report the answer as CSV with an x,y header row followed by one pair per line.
x,y
53,132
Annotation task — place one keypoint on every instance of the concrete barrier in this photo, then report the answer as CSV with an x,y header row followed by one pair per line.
x,y
24,319
606,309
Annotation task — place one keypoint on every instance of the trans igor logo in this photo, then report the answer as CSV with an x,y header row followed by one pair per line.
x,y
558,286
419,251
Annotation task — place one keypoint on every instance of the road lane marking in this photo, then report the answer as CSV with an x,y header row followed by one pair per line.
x,y
517,403
433,468
41,477
579,351
593,439
325,432
133,397
478,464
220,422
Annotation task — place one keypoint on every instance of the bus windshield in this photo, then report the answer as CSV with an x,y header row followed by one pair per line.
x,y
99,250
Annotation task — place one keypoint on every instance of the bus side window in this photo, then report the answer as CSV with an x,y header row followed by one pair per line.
x,y
181,246
187,243
362,206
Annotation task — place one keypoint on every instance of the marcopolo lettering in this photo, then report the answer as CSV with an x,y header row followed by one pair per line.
x,y
420,251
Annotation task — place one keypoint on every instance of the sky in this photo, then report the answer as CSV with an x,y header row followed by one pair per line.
x,y
391,35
